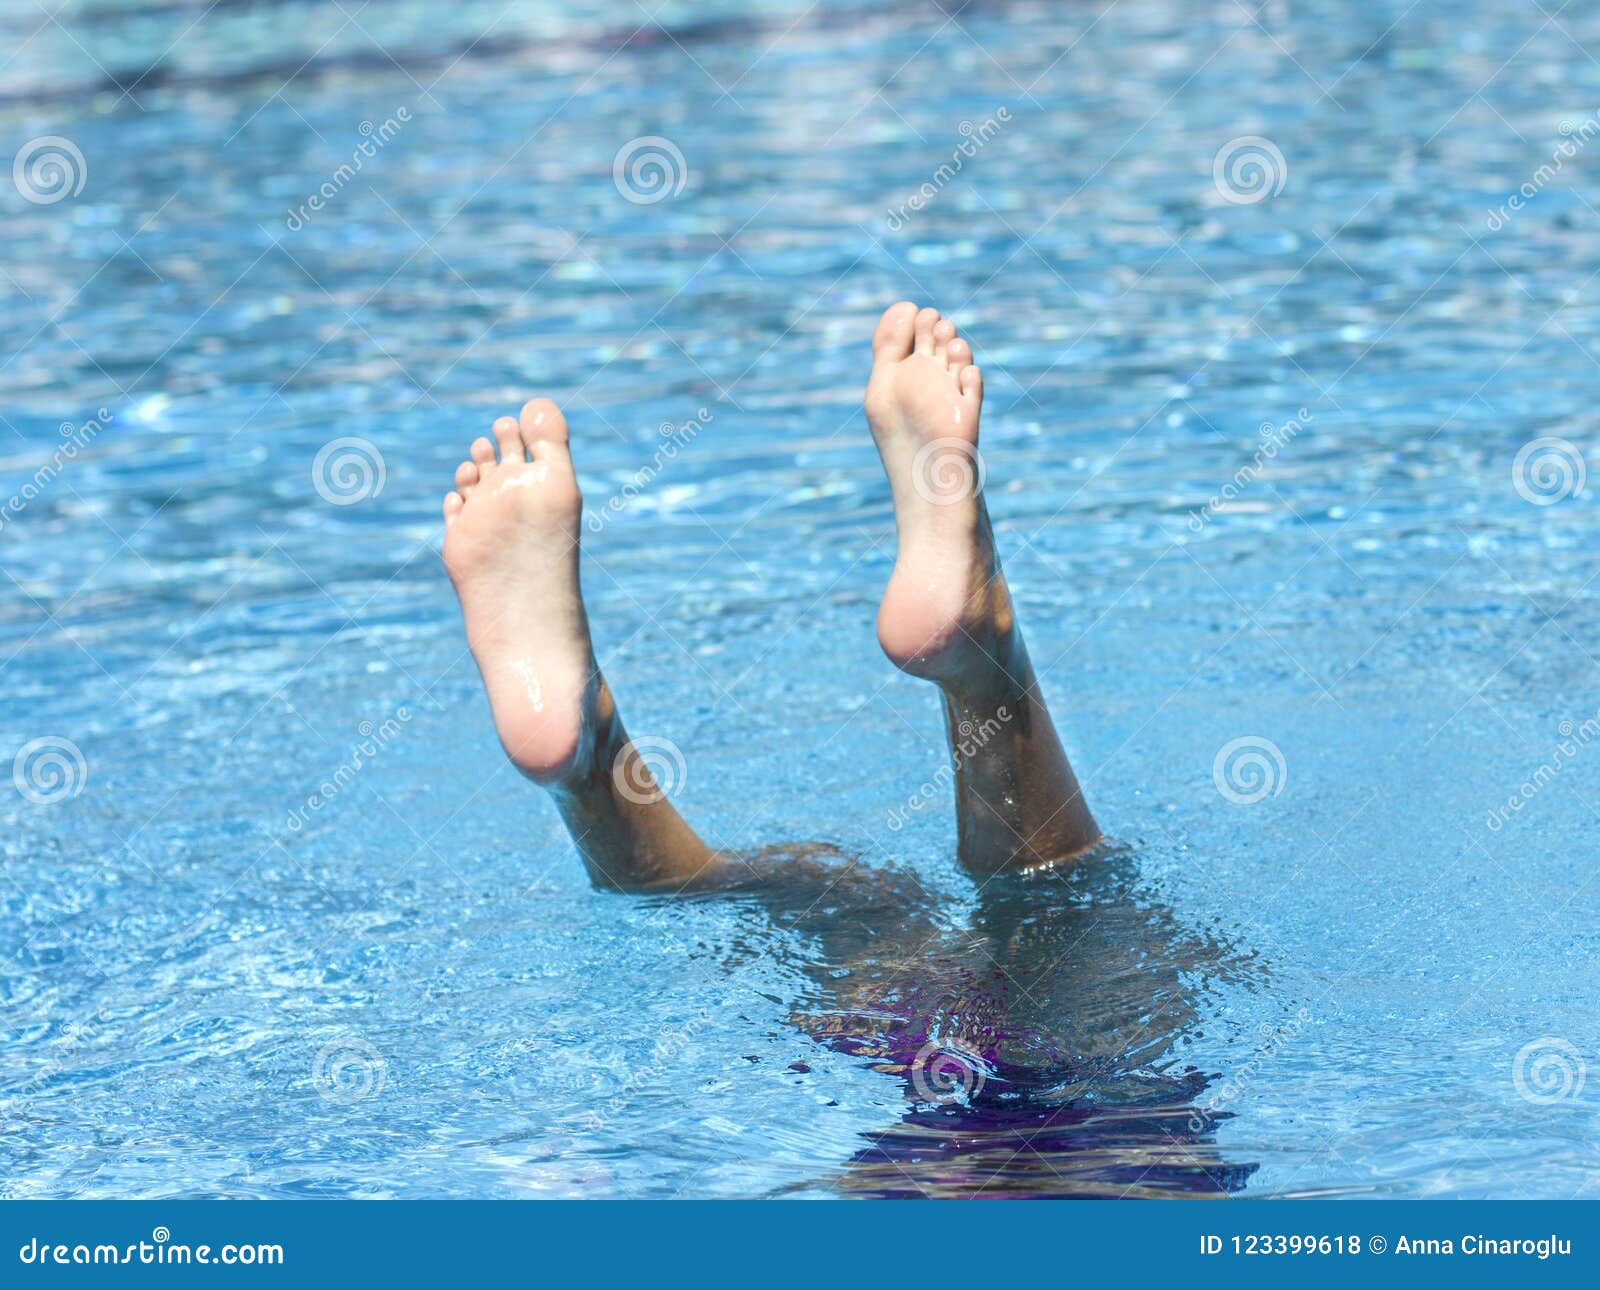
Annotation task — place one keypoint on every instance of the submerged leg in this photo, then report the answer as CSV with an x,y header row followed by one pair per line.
x,y
947,615
511,548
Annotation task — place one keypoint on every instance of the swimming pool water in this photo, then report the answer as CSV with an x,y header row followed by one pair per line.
x,y
217,977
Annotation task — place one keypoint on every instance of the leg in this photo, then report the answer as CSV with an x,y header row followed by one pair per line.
x,y
511,548
947,615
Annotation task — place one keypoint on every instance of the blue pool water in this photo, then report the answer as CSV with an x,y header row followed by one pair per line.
x,y
219,978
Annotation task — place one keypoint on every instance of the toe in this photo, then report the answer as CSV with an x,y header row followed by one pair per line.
x,y
452,506
542,420
482,451
971,382
959,353
892,338
944,331
508,434
466,477
926,318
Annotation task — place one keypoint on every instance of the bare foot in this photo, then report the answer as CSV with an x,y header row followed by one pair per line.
x,y
511,548
945,598
947,613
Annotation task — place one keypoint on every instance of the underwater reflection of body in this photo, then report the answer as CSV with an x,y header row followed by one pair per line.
x,y
1035,1027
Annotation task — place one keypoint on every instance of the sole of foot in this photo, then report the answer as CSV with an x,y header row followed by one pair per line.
x,y
945,598
511,528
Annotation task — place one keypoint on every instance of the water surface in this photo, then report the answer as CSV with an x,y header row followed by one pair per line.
x,y
217,978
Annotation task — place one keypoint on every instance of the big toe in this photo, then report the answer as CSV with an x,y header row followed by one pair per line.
x,y
542,422
891,339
